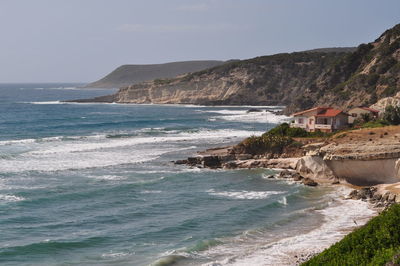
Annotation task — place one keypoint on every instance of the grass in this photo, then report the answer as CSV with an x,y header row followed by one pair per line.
x,y
374,124
375,243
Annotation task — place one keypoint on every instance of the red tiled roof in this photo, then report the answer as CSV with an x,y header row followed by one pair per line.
x,y
329,113
322,112
309,110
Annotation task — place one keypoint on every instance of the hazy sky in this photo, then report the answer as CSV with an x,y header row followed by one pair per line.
x,y
82,40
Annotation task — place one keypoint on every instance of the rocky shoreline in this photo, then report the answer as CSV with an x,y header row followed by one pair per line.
x,y
367,161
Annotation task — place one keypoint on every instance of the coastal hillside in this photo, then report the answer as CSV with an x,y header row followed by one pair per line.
x,y
339,78
267,80
132,74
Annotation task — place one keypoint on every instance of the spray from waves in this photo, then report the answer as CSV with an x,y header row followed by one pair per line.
x,y
82,160
171,135
62,153
247,117
243,195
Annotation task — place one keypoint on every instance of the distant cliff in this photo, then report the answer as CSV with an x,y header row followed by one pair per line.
x,y
132,74
340,78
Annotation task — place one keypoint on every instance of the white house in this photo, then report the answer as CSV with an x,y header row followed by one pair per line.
x,y
358,111
324,119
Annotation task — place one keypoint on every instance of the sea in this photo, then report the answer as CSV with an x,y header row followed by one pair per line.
x,y
95,184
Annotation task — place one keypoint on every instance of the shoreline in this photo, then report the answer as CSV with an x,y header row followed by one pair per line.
x,y
353,204
335,224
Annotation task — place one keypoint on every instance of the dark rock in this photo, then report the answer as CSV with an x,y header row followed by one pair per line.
x,y
309,182
392,198
297,177
226,158
244,156
365,193
336,182
385,196
194,160
285,174
230,165
270,176
211,162
354,195
254,110
376,197
181,162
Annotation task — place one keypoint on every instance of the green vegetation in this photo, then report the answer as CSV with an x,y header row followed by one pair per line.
x,y
375,243
392,115
277,139
162,81
285,130
266,143
375,123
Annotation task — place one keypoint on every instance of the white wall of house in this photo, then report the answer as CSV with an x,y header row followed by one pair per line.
x,y
311,123
356,113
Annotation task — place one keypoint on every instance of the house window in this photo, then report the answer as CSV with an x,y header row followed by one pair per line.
x,y
354,115
301,121
311,121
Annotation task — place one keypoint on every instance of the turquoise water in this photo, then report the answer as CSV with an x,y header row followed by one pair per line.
x,y
93,184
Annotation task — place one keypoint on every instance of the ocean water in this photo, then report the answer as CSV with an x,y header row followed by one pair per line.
x,y
93,184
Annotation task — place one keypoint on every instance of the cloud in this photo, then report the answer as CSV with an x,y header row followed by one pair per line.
x,y
176,28
197,7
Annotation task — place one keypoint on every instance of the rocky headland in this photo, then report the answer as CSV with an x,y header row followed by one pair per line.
x,y
367,160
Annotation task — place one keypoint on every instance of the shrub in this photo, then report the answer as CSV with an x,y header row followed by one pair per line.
x,y
266,143
294,132
392,115
276,139
285,130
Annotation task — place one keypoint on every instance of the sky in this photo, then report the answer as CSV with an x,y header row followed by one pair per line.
x,y
83,40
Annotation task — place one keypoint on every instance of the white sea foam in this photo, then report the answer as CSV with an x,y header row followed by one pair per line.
x,y
338,219
17,141
107,177
114,254
243,194
63,153
48,102
283,201
10,198
247,117
151,192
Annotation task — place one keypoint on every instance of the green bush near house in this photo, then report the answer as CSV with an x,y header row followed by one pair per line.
x,y
266,143
375,243
276,139
285,130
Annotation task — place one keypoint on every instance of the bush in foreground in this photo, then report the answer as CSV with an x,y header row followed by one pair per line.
x,y
375,243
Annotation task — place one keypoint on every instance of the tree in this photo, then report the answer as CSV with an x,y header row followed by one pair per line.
x,y
392,114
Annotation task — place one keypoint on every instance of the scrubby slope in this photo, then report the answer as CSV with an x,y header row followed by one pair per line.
x,y
132,74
